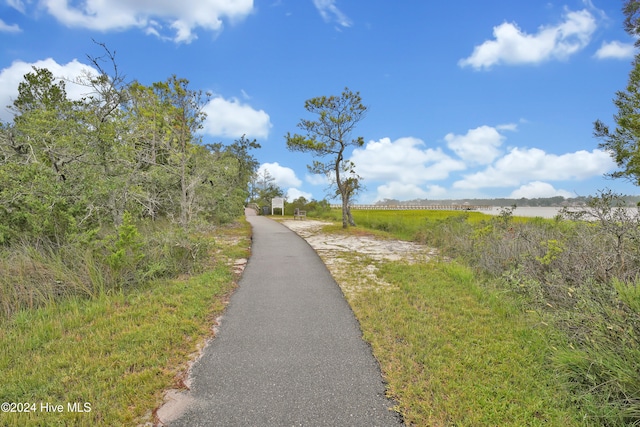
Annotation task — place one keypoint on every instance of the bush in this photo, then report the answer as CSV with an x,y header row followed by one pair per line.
x,y
314,208
36,273
580,272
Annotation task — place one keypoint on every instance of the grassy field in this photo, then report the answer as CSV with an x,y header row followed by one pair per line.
x,y
112,356
493,333
454,353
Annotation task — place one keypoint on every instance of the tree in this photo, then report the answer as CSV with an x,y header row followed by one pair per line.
x,y
185,118
631,12
328,137
41,157
247,163
264,188
623,142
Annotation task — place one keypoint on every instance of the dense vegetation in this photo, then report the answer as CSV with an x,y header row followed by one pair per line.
x,y
118,232
578,273
106,192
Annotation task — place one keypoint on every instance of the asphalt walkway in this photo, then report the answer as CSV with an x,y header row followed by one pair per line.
x,y
289,351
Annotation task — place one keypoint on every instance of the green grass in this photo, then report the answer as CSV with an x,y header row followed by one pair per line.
x,y
117,352
407,224
454,349
454,353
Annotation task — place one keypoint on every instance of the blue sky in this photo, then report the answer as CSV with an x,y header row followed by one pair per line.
x,y
467,99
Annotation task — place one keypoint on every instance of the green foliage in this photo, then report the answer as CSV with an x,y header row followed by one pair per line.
x,y
125,250
553,249
100,196
119,352
314,208
70,166
629,293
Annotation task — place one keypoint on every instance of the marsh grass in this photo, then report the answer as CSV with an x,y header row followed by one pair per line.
x,y
580,278
408,224
454,353
116,351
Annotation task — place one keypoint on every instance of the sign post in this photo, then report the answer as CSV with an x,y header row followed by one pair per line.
x,y
277,203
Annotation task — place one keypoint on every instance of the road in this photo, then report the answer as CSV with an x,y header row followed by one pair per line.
x,y
289,351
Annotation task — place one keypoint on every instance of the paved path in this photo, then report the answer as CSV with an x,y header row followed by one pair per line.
x,y
289,351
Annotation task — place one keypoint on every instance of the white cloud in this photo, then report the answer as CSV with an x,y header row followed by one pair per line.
x,y
538,189
403,160
400,191
13,75
317,179
183,17
480,145
404,166
282,175
17,5
294,193
403,191
330,12
615,50
522,165
513,46
6,28
231,118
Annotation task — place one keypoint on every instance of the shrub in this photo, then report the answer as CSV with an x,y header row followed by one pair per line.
x,y
579,271
34,273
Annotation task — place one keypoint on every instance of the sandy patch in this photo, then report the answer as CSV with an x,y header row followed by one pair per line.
x,y
378,249
353,260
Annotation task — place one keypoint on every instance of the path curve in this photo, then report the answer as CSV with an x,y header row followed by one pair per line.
x,y
289,351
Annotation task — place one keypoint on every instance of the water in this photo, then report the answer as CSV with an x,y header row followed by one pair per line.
x,y
551,212
542,212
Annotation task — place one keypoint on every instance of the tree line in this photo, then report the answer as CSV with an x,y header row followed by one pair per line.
x,y
69,166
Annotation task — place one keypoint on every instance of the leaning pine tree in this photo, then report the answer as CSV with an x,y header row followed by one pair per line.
x,y
328,137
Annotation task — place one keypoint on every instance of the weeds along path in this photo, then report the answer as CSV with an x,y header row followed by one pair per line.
x,y
354,257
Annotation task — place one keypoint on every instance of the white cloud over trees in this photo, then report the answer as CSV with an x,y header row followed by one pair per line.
x,y
228,118
282,175
538,189
286,179
407,169
13,75
405,160
294,193
231,118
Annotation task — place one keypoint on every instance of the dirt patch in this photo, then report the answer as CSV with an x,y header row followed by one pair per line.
x,y
353,259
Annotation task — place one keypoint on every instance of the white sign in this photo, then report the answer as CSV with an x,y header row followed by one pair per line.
x,y
277,203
